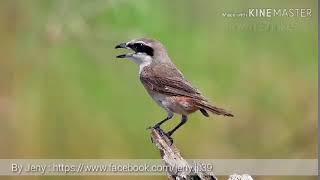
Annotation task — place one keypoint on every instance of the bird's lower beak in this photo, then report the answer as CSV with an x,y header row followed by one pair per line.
x,y
122,45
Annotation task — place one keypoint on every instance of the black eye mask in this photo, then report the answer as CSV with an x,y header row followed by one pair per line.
x,y
139,47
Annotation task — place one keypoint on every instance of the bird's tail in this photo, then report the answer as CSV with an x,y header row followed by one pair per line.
x,y
206,106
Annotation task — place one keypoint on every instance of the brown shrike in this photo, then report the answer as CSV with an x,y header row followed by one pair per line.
x,y
165,83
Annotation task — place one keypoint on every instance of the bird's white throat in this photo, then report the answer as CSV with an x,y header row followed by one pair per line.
x,y
142,60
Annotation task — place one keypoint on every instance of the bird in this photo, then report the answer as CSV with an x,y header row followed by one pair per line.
x,y
165,83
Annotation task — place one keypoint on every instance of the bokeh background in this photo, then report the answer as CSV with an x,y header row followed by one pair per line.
x,y
63,94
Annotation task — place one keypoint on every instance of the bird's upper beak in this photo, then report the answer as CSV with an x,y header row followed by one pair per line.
x,y
122,45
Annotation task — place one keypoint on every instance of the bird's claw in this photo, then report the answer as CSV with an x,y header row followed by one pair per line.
x,y
168,135
157,126
153,127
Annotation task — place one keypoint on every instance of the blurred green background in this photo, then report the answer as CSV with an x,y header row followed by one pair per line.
x,y
63,94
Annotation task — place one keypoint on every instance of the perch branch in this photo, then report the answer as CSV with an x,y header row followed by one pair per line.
x,y
173,159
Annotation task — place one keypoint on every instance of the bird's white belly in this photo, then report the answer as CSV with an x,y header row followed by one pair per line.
x,y
160,99
171,104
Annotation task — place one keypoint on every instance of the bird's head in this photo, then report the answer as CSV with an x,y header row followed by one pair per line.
x,y
145,51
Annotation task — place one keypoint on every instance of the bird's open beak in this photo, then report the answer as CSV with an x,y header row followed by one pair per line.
x,y
124,46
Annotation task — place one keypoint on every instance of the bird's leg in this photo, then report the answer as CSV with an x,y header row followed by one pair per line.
x,y
183,120
170,116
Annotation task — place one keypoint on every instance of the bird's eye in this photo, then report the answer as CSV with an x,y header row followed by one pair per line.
x,y
139,45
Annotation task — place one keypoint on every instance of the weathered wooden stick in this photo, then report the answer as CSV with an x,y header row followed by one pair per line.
x,y
173,159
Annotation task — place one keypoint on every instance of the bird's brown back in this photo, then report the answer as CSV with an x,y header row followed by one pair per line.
x,y
165,78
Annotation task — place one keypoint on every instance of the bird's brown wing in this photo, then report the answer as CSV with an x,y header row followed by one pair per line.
x,y
180,87
170,81
174,86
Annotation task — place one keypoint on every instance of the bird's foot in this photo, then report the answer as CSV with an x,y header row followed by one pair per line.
x,y
157,126
168,135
